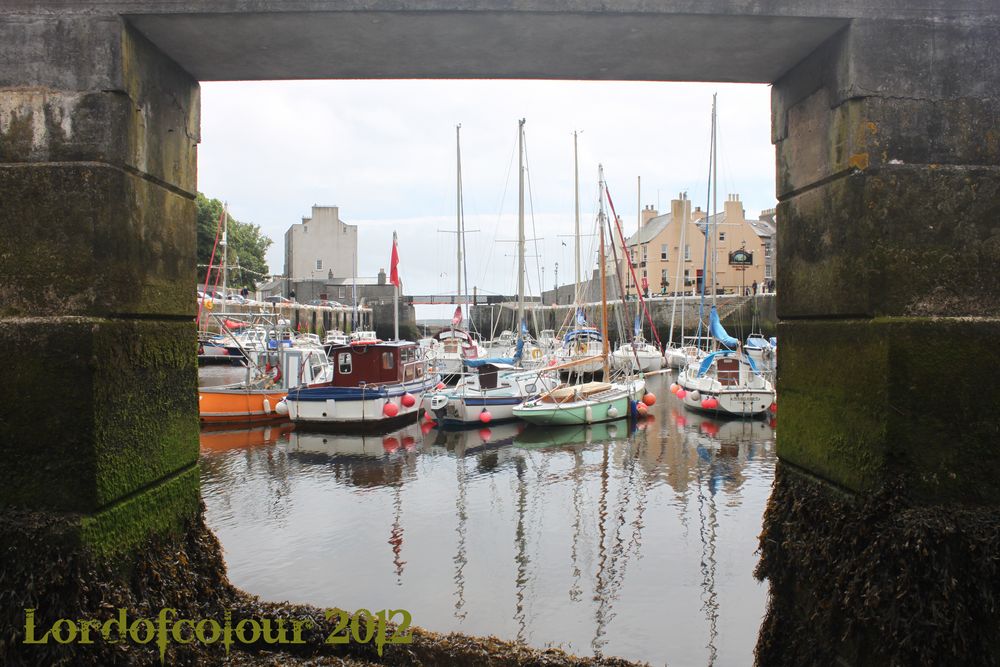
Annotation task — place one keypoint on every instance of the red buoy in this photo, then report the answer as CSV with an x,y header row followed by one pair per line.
x,y
408,400
485,416
649,399
774,408
390,410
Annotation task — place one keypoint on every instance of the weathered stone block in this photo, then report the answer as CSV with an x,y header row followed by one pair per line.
x,y
867,401
97,409
861,134
897,240
105,94
89,239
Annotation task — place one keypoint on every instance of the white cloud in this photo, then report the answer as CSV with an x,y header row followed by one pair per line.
x,y
384,151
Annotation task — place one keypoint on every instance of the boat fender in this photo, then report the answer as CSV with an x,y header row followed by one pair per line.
x,y
696,396
438,401
267,407
612,412
282,407
485,416
588,414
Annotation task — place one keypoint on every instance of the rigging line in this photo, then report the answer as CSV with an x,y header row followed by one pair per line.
x,y
534,231
642,301
503,198
708,211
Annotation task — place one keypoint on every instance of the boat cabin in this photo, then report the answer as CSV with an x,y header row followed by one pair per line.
x,y
456,341
377,362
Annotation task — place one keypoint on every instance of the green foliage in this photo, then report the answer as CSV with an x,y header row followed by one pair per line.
x,y
247,246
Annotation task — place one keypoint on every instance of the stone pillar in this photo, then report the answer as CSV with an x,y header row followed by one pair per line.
x,y
98,138
884,515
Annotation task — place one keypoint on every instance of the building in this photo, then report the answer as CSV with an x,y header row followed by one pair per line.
x,y
657,256
767,229
321,246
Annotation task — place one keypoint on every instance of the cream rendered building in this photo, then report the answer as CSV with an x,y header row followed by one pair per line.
x,y
321,247
656,248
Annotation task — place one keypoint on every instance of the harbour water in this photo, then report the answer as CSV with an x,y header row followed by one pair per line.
x,y
595,540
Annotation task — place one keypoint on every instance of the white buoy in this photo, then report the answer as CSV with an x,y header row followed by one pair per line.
x,y
695,396
612,412
267,407
282,407
588,414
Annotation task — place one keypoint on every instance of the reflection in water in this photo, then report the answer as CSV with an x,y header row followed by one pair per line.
x,y
587,533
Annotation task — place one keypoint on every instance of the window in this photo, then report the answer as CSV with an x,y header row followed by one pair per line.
x,y
631,254
388,361
344,363
663,276
663,251
645,252
767,271
722,236
687,255
319,265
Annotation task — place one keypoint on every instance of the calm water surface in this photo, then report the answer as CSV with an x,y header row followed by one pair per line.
x,y
594,540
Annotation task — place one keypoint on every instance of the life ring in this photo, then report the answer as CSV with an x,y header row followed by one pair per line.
x,y
208,302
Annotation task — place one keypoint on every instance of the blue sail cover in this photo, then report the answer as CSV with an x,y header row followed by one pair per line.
x,y
719,333
706,363
518,351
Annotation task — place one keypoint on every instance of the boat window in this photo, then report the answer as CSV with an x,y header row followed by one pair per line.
x,y
344,363
408,372
388,360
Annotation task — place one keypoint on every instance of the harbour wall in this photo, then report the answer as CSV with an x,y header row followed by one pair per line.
x,y
740,315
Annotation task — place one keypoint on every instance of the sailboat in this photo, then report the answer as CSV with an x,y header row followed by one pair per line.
x,y
452,346
591,401
637,354
726,381
497,384
581,347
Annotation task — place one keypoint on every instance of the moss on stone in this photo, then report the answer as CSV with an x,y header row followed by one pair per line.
x,y
163,508
110,408
865,400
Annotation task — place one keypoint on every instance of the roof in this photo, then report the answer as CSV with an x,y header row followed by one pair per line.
x,y
351,281
763,228
650,230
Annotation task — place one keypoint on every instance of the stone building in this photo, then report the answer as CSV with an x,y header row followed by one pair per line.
x,y
321,246
767,229
656,250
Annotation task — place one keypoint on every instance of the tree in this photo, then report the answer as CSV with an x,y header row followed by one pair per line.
x,y
247,245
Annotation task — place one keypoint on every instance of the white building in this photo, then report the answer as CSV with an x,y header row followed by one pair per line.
x,y
321,247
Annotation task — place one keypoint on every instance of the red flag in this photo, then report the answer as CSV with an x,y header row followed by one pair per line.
x,y
457,317
394,263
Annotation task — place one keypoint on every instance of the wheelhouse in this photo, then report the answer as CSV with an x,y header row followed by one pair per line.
x,y
376,363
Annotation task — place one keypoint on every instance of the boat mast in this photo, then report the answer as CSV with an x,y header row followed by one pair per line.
x,y
576,193
638,239
677,281
520,227
458,208
604,286
395,298
225,252
715,196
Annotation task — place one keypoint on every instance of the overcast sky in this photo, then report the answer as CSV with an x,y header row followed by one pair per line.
x,y
384,152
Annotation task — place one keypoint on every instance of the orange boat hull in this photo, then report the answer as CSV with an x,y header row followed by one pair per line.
x,y
238,406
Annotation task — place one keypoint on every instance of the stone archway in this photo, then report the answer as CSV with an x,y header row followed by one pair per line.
x,y
885,120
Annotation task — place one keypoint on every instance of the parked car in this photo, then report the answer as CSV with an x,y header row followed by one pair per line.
x,y
277,299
